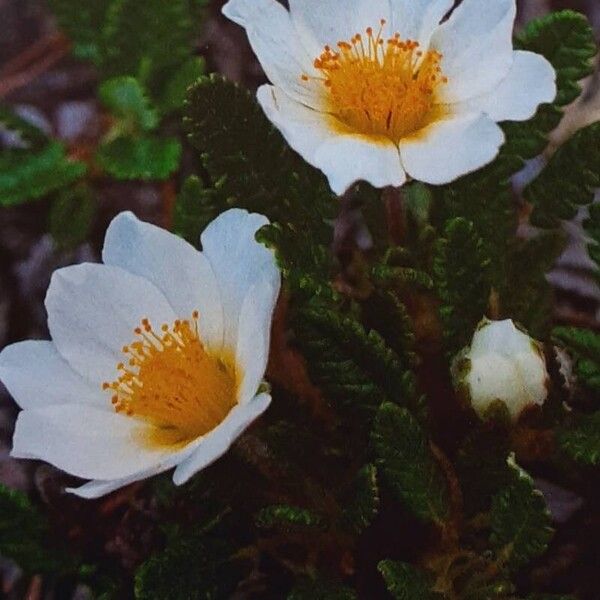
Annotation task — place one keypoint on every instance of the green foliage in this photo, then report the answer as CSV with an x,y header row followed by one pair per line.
x,y
363,505
405,582
24,536
176,87
528,297
520,523
26,175
309,589
140,157
71,216
569,179
410,470
582,440
29,134
354,367
584,346
287,518
127,100
461,274
83,23
191,567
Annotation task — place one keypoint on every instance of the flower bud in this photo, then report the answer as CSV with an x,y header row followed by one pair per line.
x,y
502,364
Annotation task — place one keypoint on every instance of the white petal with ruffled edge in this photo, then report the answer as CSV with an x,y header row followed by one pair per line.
x,y
450,148
92,312
217,442
277,45
530,82
36,375
418,19
238,262
176,268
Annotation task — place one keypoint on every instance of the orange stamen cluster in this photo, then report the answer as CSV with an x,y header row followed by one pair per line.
x,y
381,87
169,380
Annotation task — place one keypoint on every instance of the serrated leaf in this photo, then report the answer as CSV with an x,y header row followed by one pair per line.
x,y
362,505
462,281
71,216
27,175
568,181
520,523
24,536
191,567
584,346
287,518
194,210
126,98
321,590
581,441
405,582
407,464
177,85
148,158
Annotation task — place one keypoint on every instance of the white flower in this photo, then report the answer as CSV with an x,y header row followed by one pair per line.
x,y
379,90
156,356
505,364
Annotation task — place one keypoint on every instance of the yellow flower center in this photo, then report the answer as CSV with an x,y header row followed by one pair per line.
x,y
169,380
381,88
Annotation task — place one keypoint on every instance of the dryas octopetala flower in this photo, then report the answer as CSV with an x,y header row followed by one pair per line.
x,y
379,90
502,364
157,356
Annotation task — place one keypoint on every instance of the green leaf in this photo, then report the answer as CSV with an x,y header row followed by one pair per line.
x,y
405,582
568,181
461,275
287,518
148,158
584,346
355,368
520,523
27,175
71,216
581,441
126,99
362,505
24,536
83,23
194,210
177,85
147,39
410,470
191,567
319,589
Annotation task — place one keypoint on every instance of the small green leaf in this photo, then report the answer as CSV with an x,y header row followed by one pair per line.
x,y
405,582
407,464
363,504
584,346
126,99
287,518
71,216
320,589
140,158
582,441
177,86
194,210
27,175
520,523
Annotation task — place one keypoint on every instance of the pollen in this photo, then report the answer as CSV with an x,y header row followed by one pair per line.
x,y
381,87
168,379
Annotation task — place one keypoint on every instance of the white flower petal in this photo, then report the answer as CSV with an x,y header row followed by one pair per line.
x,y
451,148
252,351
418,19
216,443
277,46
36,375
346,159
326,22
84,441
500,337
92,312
238,262
175,267
530,82
476,42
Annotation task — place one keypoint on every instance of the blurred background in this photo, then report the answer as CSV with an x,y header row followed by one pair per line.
x,y
49,88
